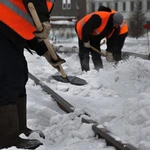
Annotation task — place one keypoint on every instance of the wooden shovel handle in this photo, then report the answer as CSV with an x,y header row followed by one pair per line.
x,y
96,50
47,43
35,16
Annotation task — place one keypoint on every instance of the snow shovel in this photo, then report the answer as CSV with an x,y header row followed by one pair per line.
x,y
63,78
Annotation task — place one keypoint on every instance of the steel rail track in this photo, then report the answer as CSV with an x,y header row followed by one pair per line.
x,y
125,55
111,139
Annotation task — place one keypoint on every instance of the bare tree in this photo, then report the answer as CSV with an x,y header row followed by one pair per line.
x,y
137,20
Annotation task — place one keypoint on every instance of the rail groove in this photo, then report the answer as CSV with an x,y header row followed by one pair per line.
x,y
111,139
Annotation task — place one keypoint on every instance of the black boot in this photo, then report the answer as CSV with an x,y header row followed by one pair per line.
x,y
22,118
9,130
21,111
84,62
98,64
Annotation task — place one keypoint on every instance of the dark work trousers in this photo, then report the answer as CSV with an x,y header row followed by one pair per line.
x,y
115,45
13,72
118,52
121,40
85,52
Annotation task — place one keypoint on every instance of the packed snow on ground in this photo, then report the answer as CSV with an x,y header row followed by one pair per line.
x,y
117,97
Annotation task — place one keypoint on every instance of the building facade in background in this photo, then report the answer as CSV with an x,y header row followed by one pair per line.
x,y
67,12
76,9
63,18
69,9
126,7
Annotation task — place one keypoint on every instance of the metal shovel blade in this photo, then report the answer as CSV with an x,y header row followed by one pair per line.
x,y
70,79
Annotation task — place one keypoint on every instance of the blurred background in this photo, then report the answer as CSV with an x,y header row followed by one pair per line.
x,y
67,12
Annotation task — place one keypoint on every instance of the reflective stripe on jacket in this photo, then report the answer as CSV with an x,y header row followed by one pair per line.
x,y
14,15
104,19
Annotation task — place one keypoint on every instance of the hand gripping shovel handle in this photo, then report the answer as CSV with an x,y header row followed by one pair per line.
x,y
96,50
40,28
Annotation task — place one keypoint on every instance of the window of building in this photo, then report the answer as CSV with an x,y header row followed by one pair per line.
x,y
68,4
116,6
100,4
132,5
77,5
93,8
148,5
148,21
64,2
124,6
108,4
140,5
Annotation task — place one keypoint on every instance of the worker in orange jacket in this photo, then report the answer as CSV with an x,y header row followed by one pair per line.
x,y
91,29
115,41
17,31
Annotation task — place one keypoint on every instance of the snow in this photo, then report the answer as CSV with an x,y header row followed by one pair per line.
x,y
62,22
117,97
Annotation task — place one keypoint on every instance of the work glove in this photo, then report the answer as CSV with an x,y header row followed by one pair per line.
x,y
54,63
41,35
87,44
109,56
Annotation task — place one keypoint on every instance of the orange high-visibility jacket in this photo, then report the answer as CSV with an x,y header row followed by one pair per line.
x,y
123,26
104,18
123,29
14,15
49,4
